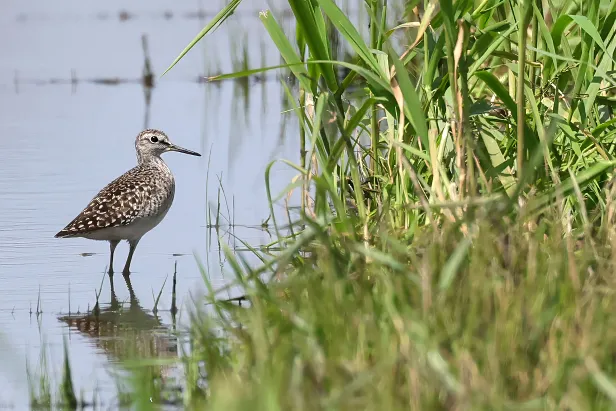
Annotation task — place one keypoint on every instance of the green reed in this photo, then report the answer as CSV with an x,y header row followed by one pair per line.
x,y
456,249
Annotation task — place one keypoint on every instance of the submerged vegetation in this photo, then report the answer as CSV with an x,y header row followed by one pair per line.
x,y
454,243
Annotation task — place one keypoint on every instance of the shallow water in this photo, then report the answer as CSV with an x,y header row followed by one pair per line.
x,y
70,107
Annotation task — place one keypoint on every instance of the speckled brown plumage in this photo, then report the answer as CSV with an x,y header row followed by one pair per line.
x,y
138,193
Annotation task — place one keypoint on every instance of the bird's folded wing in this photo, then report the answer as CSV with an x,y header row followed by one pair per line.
x,y
118,204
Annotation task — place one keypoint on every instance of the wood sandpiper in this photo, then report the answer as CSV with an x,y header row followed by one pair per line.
x,y
132,204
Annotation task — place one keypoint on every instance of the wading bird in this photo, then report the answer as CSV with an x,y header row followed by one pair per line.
x,y
132,204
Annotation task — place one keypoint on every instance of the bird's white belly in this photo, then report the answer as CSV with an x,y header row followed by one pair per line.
x,y
134,230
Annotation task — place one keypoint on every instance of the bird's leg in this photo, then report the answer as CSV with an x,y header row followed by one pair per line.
x,y
133,245
112,245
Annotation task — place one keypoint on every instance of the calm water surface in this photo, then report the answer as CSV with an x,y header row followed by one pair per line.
x,y
70,107
62,142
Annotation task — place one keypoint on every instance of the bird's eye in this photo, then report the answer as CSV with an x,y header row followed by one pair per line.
x,y
154,139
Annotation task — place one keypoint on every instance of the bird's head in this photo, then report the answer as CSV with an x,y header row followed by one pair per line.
x,y
152,143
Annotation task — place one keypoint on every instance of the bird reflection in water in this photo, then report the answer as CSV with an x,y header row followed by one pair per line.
x,y
126,333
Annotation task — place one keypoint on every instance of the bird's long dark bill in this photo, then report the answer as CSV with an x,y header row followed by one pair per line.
x,y
173,147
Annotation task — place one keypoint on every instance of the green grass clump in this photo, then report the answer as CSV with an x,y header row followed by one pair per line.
x,y
447,102
454,246
512,315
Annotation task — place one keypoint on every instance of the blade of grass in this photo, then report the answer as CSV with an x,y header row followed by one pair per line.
x,y
306,16
449,271
350,33
285,48
222,15
412,105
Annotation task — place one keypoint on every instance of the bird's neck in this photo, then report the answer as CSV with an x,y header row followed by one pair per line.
x,y
151,160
